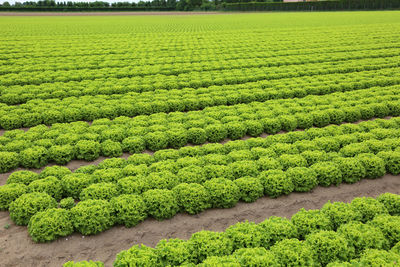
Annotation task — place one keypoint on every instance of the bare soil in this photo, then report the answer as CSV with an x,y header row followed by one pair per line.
x,y
123,13
17,249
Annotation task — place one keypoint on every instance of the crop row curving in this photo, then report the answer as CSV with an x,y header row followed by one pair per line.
x,y
63,142
50,111
364,232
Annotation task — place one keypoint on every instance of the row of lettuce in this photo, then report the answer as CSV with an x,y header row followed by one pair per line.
x,y
164,62
127,82
213,40
92,107
193,179
195,69
365,232
78,140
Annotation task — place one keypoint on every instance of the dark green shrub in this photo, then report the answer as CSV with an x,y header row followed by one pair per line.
x,y
340,213
161,203
137,256
22,177
61,154
329,246
111,148
50,185
196,136
205,244
67,203
99,191
310,221
277,229
304,179
328,173
129,209
9,193
172,252
27,205
247,235
56,171
193,198
74,183
368,207
352,169
362,236
223,192
133,144
87,150
391,203
250,188
92,216
276,183
255,257
34,157
292,252
50,224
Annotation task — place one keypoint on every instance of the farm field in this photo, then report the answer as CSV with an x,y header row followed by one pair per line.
x,y
117,131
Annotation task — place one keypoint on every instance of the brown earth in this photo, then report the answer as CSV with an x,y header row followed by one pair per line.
x,y
17,249
123,13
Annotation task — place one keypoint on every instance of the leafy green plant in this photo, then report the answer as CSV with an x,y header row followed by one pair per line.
x,y
193,198
50,224
9,193
92,216
129,209
223,192
50,185
161,203
250,188
27,205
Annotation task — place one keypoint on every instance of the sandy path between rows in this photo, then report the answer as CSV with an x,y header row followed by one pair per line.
x,y
17,249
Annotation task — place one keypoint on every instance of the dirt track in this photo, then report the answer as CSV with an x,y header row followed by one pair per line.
x,y
111,13
17,249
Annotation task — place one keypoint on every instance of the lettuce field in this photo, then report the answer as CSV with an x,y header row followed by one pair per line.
x,y
133,123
